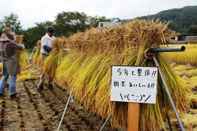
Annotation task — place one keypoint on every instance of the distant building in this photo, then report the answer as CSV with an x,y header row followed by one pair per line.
x,y
180,38
191,39
183,39
107,24
112,23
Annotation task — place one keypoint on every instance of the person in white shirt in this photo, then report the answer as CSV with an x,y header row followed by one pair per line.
x,y
47,42
46,47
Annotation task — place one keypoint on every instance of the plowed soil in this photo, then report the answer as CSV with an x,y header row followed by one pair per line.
x,y
34,110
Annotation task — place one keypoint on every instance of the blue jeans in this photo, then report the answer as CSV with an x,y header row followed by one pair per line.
x,y
11,82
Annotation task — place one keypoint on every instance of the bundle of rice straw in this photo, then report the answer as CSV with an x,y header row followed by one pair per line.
x,y
86,70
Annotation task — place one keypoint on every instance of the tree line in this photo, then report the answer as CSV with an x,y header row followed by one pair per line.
x,y
183,20
65,24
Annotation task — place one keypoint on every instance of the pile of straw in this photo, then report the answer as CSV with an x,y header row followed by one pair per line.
x,y
86,69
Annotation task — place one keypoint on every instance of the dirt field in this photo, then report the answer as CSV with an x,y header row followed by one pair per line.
x,y
41,111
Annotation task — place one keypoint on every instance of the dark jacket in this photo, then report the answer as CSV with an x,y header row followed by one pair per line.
x,y
12,62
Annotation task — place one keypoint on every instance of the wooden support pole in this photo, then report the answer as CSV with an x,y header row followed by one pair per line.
x,y
133,116
134,108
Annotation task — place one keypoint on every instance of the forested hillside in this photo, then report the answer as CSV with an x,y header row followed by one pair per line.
x,y
183,20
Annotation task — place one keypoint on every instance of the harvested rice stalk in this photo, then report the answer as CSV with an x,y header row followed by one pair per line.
x,y
23,60
36,58
102,96
87,70
93,84
65,63
52,61
73,68
21,54
176,85
82,78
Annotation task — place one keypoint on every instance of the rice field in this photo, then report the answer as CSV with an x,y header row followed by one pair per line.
x,y
188,74
85,70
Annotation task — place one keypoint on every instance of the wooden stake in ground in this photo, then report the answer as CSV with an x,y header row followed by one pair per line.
x,y
133,116
134,108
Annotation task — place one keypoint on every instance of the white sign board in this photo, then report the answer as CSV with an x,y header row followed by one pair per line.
x,y
134,84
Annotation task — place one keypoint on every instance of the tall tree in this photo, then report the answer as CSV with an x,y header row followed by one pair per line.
x,y
94,21
68,23
65,24
32,35
12,20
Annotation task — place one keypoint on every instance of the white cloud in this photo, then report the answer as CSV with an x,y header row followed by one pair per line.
x,y
31,11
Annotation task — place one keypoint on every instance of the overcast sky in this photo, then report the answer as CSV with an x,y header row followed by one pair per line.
x,y
32,11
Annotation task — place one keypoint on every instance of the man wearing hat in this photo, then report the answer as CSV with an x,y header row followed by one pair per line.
x,y
8,56
46,47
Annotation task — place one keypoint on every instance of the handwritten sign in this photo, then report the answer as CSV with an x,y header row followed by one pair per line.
x,y
134,84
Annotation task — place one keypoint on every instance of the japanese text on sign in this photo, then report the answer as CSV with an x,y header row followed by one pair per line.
x,y
134,84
